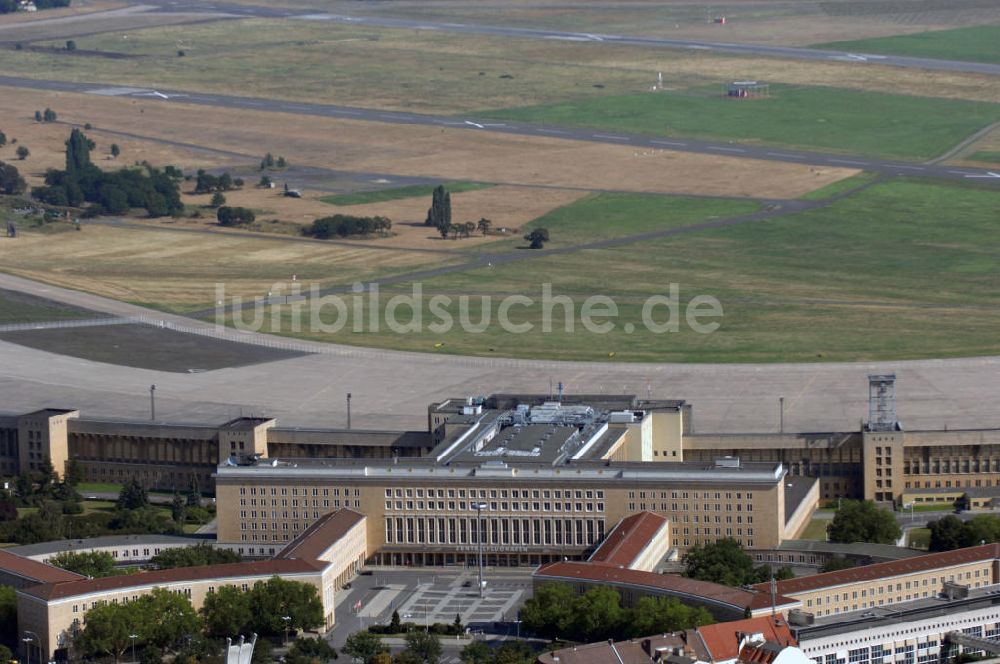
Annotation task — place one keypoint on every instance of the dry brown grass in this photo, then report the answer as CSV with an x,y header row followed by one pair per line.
x,y
180,270
457,154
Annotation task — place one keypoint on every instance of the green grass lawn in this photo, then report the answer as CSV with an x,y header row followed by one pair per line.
x,y
611,215
919,538
98,487
976,44
412,191
21,308
903,269
853,122
816,530
988,156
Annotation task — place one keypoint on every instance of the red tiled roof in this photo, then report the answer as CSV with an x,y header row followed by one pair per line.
x,y
723,639
32,570
887,570
668,583
318,537
627,540
54,591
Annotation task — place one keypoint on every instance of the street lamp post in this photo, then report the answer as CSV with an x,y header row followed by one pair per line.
x,y
287,620
133,637
479,540
30,637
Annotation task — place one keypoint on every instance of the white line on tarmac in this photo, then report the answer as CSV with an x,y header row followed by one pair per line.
x,y
786,156
608,136
669,143
721,149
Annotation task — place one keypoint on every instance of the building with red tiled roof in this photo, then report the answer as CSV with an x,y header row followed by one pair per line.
x,y
765,640
722,601
20,572
639,541
53,603
870,586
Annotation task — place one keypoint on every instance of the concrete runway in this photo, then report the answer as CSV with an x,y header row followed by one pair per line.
x,y
391,389
887,167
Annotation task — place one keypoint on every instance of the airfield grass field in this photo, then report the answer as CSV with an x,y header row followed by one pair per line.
x,y
862,123
602,216
973,44
904,269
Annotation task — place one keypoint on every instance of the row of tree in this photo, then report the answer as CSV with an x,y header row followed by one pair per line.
x,y
235,216
950,532
166,621
206,183
96,564
368,648
344,225
556,610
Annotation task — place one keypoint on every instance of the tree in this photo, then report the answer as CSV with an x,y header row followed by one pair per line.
x,y
275,598
476,652
8,615
22,152
550,609
115,150
311,651
48,115
597,615
537,238
107,632
227,612
364,647
165,617
439,213
218,200
444,230
78,148
425,646
394,625
863,521
70,45
94,564
722,562
38,116
658,615
263,652
74,473
837,563
3,139
132,496
5,654
234,216
178,509
11,182
265,182
8,509
514,652
281,163
193,556
484,225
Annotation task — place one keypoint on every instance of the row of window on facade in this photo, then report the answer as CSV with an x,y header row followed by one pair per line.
x,y
540,532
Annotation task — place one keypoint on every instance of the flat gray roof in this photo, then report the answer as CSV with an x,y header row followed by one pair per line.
x,y
45,548
882,551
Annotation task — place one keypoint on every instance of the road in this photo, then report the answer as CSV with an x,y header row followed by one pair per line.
x,y
717,148
788,52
